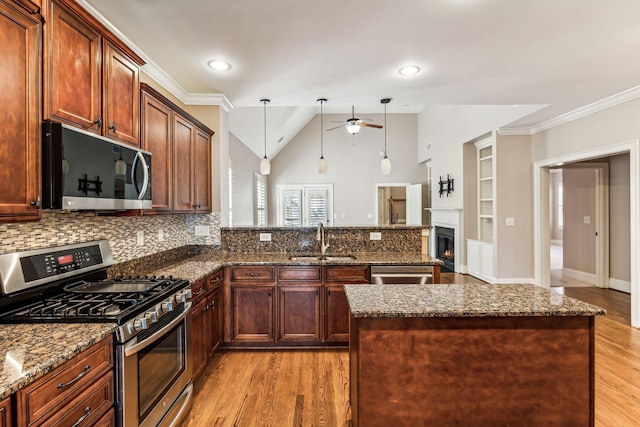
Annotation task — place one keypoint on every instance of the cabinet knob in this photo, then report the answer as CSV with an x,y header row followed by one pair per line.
x,y
36,203
112,128
98,122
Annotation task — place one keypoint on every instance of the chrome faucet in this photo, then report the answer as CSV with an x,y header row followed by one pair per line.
x,y
320,235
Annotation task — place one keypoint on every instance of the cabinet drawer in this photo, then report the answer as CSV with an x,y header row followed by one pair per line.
x,y
86,408
215,280
107,420
45,396
347,273
253,274
198,289
300,274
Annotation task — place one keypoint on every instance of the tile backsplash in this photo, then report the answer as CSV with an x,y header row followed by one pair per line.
x,y
159,232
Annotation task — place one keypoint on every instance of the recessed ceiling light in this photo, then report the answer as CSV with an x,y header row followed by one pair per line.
x,y
219,65
409,70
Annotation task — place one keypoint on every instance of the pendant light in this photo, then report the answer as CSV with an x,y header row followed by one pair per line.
x,y
322,163
265,165
385,165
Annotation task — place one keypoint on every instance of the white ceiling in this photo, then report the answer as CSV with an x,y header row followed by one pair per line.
x,y
561,53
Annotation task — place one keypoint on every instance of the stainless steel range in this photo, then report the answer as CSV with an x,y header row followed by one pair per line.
x,y
153,314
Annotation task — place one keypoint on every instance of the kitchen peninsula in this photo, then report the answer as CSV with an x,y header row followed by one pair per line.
x,y
470,354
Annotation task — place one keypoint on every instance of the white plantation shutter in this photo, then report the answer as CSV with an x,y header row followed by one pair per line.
x,y
305,205
260,201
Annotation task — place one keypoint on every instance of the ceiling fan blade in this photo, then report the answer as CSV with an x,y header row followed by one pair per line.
x,y
337,127
371,125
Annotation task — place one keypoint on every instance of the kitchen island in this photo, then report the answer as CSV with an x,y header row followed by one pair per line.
x,y
470,355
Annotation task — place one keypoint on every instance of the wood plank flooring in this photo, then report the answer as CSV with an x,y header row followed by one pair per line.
x,y
311,387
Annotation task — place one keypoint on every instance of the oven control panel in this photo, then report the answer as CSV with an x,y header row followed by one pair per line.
x,y
51,264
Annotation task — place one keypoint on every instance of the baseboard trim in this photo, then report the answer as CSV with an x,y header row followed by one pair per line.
x,y
515,281
620,285
580,275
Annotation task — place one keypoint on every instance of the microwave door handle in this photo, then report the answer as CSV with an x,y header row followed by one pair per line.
x,y
145,180
133,172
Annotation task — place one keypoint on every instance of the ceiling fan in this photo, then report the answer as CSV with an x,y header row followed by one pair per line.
x,y
354,124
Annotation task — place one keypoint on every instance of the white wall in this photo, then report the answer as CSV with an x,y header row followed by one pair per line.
x,y
244,163
353,163
619,218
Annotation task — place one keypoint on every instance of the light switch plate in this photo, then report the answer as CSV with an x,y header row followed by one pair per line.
x,y
511,221
375,236
140,237
265,237
202,230
160,235
587,219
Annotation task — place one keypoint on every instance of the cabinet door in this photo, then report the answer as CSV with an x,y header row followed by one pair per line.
x,y
183,142
73,65
198,337
202,164
156,120
215,321
337,317
5,412
252,318
121,96
20,119
299,308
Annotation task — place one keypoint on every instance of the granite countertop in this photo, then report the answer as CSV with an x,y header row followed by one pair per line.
x,y
453,300
32,350
199,266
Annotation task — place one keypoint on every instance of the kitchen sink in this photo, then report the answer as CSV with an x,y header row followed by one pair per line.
x,y
322,257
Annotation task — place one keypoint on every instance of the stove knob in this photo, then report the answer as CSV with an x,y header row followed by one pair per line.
x,y
187,294
167,306
179,297
151,316
140,324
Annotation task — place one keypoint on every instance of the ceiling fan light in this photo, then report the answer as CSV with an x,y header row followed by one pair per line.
x,y
322,166
353,129
265,166
385,166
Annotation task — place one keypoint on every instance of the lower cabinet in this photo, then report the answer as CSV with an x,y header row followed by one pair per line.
x,y
207,320
5,412
79,392
299,308
289,305
252,308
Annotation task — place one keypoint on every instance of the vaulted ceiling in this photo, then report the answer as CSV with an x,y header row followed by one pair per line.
x,y
560,54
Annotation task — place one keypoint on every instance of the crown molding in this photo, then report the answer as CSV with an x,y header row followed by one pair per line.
x,y
158,74
515,131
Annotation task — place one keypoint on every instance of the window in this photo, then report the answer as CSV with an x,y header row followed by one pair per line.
x,y
305,205
560,208
260,201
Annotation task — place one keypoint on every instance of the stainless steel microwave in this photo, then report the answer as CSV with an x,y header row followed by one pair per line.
x,y
84,171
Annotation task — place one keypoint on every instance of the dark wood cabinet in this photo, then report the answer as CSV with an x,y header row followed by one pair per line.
x,y
336,319
181,149
90,82
207,319
5,412
62,396
20,84
156,125
216,320
121,95
299,313
199,336
252,310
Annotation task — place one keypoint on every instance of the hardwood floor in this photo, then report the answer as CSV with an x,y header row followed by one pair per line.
x,y
311,387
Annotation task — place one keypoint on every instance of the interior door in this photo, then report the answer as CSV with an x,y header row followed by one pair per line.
x,y
414,204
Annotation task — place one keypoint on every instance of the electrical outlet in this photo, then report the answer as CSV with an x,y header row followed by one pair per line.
x,y
161,235
140,237
375,236
369,216
265,237
202,230
511,221
587,219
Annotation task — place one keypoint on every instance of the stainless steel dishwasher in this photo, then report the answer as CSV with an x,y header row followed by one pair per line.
x,y
401,274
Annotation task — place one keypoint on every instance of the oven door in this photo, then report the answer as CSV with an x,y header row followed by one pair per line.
x,y
154,373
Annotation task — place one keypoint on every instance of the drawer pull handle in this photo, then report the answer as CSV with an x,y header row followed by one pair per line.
x,y
87,412
252,274
199,292
86,370
215,279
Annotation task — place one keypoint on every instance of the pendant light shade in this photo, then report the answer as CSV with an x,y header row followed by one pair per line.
x,y
265,164
322,163
385,165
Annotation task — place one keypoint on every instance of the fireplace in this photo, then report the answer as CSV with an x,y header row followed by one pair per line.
x,y
445,243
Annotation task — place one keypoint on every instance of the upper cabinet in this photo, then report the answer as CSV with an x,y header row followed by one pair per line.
x,y
91,79
181,150
20,83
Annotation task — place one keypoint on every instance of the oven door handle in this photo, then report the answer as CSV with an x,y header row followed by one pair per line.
x,y
138,346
